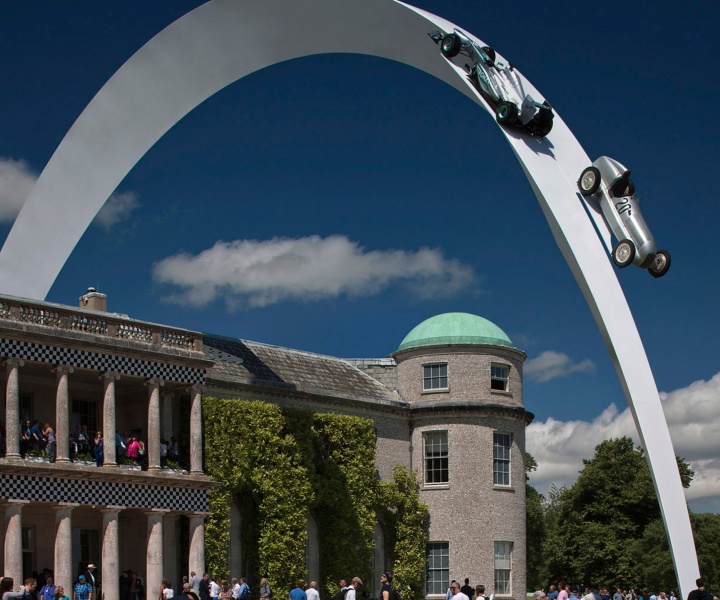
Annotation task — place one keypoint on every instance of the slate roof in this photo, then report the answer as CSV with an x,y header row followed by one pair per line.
x,y
251,363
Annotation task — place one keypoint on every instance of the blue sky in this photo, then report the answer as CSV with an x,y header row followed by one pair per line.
x,y
417,204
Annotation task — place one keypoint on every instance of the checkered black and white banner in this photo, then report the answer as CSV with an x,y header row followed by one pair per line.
x,y
51,489
100,362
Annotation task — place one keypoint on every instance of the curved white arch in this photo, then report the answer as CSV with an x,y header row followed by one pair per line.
x,y
225,40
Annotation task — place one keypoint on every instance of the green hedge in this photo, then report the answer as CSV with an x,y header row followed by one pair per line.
x,y
279,465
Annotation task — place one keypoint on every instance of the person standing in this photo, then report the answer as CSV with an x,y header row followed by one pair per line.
x,y
385,587
553,593
298,593
467,588
91,576
83,590
204,587
700,593
311,592
194,581
480,592
48,590
352,589
265,591
60,593
456,593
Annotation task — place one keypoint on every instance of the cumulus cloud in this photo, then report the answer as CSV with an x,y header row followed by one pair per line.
x,y
551,365
117,208
693,416
259,273
16,181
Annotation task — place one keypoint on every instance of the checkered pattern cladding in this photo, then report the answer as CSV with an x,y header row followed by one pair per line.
x,y
100,362
50,489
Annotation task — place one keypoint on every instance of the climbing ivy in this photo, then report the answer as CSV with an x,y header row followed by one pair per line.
x,y
278,466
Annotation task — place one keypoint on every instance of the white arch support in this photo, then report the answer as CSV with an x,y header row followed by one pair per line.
x,y
225,40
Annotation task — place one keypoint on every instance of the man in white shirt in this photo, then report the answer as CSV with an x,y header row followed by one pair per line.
x,y
235,588
457,594
352,588
214,589
311,592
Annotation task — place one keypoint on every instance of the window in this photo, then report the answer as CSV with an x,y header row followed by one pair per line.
x,y
435,377
437,575
26,406
84,412
28,550
89,548
436,457
502,442
503,568
499,377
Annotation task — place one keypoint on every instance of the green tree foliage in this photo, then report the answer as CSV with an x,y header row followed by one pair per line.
x,y
280,465
535,520
406,518
602,514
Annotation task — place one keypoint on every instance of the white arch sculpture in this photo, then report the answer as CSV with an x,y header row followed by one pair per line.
x,y
225,40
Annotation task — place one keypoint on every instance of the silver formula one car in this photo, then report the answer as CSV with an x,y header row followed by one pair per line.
x,y
498,83
610,183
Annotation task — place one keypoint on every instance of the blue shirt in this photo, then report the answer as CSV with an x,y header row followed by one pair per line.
x,y
47,592
82,590
298,594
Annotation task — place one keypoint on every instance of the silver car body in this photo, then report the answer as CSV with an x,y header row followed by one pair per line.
x,y
495,79
622,212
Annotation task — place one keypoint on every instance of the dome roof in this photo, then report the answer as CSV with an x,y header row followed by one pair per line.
x,y
455,328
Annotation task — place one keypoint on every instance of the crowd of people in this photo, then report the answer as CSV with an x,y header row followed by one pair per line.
x,y
564,591
81,443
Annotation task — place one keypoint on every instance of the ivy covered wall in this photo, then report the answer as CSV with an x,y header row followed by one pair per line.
x,y
279,465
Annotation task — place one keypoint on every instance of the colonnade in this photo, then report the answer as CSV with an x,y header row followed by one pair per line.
x,y
109,379
162,544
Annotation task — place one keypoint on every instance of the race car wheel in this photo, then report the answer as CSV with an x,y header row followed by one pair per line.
x,y
660,265
450,45
490,53
545,126
623,253
589,181
506,113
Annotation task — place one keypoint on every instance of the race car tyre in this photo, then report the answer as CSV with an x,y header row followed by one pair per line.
x,y
660,265
490,52
506,113
450,45
545,126
623,253
589,181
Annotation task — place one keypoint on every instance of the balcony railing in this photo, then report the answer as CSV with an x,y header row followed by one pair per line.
x,y
109,325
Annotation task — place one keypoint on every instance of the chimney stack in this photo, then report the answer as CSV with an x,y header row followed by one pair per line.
x,y
94,300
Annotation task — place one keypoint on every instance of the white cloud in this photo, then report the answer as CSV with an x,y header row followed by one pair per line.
x,y
551,365
259,273
693,416
16,181
117,208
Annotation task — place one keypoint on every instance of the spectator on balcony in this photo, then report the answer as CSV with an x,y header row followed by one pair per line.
x,y
2,439
133,450
98,449
50,447
173,449
163,453
142,456
82,440
120,446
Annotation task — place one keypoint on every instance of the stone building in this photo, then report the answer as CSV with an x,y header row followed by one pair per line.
x,y
448,403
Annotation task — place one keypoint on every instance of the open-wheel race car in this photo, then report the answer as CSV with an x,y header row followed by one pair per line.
x,y
497,82
609,182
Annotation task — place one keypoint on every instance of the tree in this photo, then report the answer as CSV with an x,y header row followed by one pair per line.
x,y
603,513
535,520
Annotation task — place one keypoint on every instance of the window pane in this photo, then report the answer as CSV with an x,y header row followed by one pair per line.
x,y
502,442
503,567
499,377
436,457
437,576
435,377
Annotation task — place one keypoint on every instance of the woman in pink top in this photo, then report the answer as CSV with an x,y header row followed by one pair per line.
x,y
133,448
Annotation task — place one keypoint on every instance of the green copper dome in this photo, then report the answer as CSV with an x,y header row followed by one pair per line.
x,y
455,328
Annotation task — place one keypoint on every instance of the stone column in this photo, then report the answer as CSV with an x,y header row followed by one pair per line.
x,y
110,553
63,545
167,415
153,443
109,459
12,408
62,416
154,568
170,543
196,552
13,540
196,436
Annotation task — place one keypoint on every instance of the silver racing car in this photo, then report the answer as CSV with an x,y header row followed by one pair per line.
x,y
610,183
497,82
